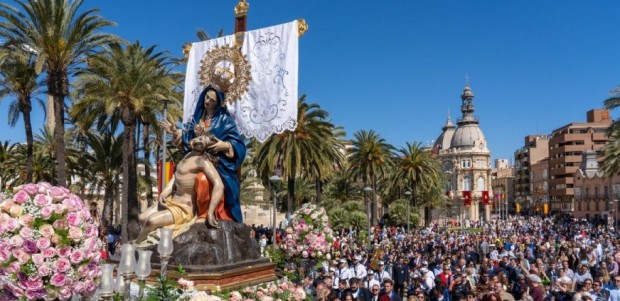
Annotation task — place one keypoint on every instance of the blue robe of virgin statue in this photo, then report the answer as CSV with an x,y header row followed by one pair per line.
x,y
223,127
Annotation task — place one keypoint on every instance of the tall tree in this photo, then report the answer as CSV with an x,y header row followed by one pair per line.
x,y
61,37
610,153
18,80
416,166
369,160
105,157
126,83
309,150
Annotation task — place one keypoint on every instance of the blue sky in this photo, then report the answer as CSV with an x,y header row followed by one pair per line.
x,y
398,67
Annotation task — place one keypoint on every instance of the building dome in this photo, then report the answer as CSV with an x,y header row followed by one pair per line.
x,y
467,135
444,140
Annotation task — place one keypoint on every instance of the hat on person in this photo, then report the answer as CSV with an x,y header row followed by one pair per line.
x,y
534,278
381,263
424,262
342,260
358,258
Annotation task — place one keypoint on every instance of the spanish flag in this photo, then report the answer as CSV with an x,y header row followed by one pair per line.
x,y
169,173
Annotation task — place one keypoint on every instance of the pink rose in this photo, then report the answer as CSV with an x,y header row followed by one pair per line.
x,y
43,187
46,230
42,200
21,255
25,232
75,233
74,219
21,197
64,251
91,230
6,205
26,220
57,194
76,256
43,243
64,293
58,280
11,225
16,241
31,189
38,259
44,270
60,208
49,253
46,212
60,224
63,265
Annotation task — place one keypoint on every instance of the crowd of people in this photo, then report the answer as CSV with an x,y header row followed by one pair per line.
x,y
557,258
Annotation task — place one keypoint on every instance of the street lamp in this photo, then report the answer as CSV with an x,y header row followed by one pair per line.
x,y
367,189
408,194
275,182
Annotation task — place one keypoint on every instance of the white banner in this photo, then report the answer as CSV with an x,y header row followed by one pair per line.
x,y
270,105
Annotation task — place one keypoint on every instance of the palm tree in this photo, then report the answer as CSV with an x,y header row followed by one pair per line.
x,y
19,79
127,83
610,163
8,166
61,38
310,150
369,160
105,156
416,166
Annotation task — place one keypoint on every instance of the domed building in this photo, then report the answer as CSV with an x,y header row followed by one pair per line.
x,y
466,161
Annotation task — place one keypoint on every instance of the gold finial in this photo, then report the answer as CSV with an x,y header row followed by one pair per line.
x,y
302,27
186,49
241,9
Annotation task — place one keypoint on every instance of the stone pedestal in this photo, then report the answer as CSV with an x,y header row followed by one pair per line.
x,y
217,259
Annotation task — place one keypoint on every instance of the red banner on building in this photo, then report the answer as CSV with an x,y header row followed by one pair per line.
x,y
485,198
467,198
169,174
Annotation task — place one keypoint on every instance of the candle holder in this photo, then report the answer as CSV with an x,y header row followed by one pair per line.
x,y
164,247
143,270
107,282
127,265
119,284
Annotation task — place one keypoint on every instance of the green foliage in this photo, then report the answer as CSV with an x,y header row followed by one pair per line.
x,y
165,290
276,255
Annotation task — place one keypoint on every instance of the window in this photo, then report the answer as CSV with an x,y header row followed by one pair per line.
x,y
577,192
466,183
606,189
480,184
596,192
587,192
466,163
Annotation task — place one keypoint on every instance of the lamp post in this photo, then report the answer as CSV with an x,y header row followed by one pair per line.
x,y
408,194
615,210
367,189
275,182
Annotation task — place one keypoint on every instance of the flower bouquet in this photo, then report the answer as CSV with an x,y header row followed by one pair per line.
x,y
49,248
308,234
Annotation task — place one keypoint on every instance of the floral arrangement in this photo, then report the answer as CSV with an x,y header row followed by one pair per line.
x,y
309,232
48,244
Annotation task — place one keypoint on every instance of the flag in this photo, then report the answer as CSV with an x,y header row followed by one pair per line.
x,y
485,198
467,198
270,104
169,174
